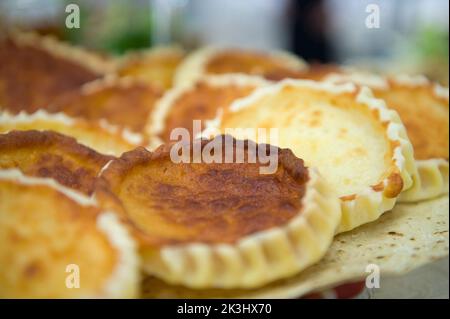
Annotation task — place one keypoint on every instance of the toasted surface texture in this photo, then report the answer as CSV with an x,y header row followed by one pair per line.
x,y
355,142
53,155
400,241
204,224
175,203
31,77
308,120
105,139
248,62
216,60
120,102
156,66
44,232
421,104
425,116
423,108
200,101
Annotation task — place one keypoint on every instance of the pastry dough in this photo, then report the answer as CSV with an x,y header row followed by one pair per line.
x,y
224,225
155,66
354,140
123,102
409,237
423,108
35,70
216,60
51,235
53,155
102,137
200,100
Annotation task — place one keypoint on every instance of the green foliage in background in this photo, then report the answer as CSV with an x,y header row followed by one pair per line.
x,y
114,27
433,42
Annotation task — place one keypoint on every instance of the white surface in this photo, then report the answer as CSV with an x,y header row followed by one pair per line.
x,y
430,281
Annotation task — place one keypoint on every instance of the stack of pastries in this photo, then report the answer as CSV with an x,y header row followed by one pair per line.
x,y
116,179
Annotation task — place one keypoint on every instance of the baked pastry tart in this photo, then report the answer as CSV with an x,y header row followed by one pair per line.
x,y
123,102
423,108
52,155
155,66
102,137
405,239
199,100
216,60
203,223
35,69
354,140
57,244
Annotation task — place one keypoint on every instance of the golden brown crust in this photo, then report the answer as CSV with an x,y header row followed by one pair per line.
x,y
424,114
102,137
200,103
125,103
311,114
222,60
51,235
421,104
53,155
31,77
211,203
248,62
314,71
156,66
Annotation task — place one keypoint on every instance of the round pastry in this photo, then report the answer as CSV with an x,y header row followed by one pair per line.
x,y
220,223
53,155
34,70
123,102
200,100
354,140
215,60
102,137
423,108
155,66
57,244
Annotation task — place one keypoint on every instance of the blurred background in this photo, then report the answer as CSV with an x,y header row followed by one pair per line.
x,y
409,36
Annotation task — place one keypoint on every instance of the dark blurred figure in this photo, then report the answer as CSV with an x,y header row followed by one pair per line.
x,y
308,25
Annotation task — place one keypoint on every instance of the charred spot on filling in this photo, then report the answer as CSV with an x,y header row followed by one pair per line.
x,y
174,203
248,62
201,103
30,77
52,155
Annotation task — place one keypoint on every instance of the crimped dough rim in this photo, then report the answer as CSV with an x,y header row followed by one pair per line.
x,y
430,181
124,281
370,203
156,119
433,170
254,259
124,134
63,50
193,66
